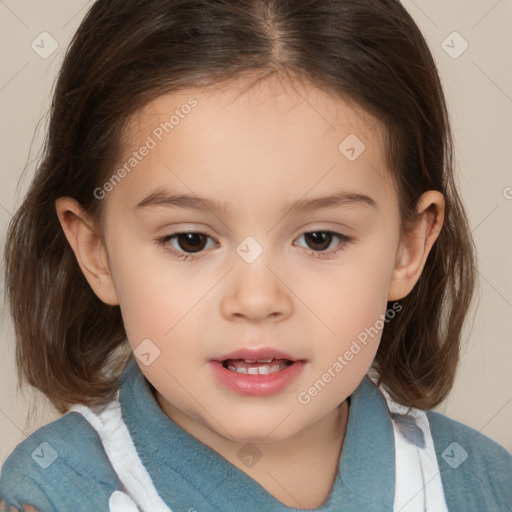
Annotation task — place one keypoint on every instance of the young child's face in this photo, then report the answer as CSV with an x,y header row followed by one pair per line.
x,y
254,282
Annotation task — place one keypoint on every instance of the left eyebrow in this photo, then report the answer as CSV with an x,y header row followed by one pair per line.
x,y
339,198
165,198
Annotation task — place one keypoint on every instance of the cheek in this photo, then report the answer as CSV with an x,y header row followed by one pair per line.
x,y
354,307
159,300
350,296
148,300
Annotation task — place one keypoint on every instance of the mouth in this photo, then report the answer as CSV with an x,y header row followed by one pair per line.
x,y
257,372
256,367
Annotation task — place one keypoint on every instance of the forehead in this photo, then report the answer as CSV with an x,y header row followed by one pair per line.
x,y
275,136
236,102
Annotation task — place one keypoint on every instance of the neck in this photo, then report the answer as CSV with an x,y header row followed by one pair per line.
x,y
299,471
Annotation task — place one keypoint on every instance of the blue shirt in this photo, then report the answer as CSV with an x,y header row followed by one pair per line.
x,y
62,466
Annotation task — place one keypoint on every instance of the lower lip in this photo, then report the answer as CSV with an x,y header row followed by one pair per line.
x,y
256,385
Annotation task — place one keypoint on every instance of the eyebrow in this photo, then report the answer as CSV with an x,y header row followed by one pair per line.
x,y
162,197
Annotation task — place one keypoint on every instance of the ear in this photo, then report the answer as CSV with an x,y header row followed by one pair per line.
x,y
415,245
90,252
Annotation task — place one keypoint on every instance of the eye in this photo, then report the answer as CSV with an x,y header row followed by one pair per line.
x,y
185,245
191,245
321,240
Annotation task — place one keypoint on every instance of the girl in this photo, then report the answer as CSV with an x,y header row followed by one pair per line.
x,y
242,269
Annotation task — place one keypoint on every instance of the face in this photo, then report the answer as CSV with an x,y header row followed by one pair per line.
x,y
309,282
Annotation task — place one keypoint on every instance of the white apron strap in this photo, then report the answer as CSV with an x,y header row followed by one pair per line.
x,y
123,457
418,485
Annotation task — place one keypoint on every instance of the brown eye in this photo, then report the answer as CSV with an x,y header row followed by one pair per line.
x,y
191,242
186,245
318,240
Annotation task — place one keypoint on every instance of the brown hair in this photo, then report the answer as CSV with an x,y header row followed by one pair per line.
x,y
125,54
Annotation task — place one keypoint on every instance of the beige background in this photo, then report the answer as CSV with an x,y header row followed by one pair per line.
x,y
478,85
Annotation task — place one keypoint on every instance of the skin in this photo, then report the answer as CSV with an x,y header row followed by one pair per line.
x,y
256,151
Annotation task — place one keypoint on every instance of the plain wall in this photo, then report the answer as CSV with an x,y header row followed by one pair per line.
x,y
478,86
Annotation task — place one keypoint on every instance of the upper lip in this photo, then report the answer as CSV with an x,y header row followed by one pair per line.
x,y
256,354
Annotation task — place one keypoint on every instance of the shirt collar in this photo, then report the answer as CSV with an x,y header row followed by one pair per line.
x,y
188,474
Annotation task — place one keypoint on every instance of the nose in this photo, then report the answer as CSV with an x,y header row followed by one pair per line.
x,y
255,293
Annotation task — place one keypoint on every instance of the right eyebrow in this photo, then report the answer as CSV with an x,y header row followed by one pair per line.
x,y
166,198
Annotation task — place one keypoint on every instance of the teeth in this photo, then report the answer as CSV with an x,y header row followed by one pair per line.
x,y
259,360
258,370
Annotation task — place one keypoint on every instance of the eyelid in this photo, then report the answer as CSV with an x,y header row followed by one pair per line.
x,y
343,239
164,242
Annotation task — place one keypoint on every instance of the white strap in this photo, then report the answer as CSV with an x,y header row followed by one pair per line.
x,y
120,502
124,459
418,485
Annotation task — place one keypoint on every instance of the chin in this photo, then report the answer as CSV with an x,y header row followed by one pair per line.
x,y
256,430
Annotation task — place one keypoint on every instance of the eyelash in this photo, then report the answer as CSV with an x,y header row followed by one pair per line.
x,y
164,243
